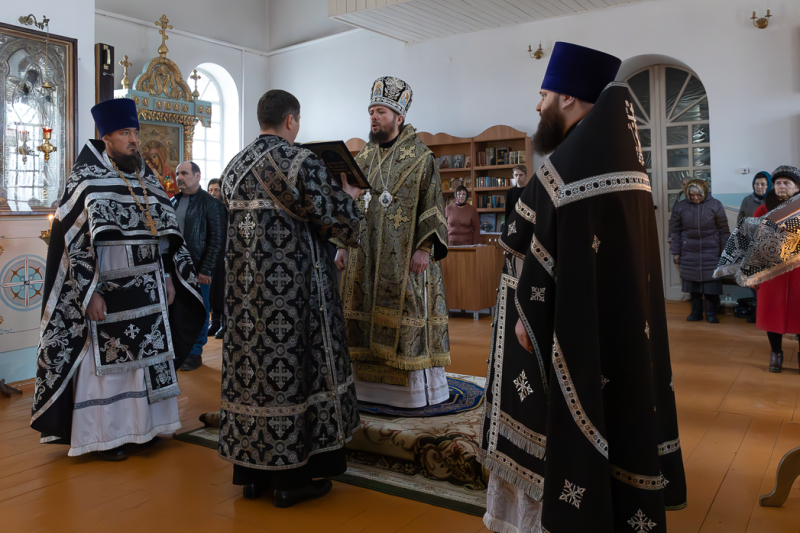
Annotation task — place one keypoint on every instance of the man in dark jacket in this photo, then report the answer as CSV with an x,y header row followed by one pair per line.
x,y
520,173
202,221
217,327
700,230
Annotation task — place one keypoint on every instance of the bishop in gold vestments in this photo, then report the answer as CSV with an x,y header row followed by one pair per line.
x,y
393,292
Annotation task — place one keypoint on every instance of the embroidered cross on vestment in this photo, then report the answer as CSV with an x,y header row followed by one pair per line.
x,y
398,218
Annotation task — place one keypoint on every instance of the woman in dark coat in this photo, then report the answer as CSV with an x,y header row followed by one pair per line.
x,y
699,228
778,310
762,184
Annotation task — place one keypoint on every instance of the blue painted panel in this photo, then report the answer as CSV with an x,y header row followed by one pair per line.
x,y
18,365
731,199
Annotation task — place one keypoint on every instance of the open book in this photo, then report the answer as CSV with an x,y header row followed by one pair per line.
x,y
338,159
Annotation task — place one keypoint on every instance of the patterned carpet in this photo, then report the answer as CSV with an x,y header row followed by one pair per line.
x,y
431,459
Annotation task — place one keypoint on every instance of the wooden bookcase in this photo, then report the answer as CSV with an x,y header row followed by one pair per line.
x,y
442,144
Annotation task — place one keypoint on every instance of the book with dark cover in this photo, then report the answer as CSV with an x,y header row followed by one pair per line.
x,y
338,159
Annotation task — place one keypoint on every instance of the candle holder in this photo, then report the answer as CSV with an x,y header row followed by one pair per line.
x,y
23,150
46,147
45,235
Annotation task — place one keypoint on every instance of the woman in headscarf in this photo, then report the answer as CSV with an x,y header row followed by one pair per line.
x,y
779,298
762,184
463,222
699,234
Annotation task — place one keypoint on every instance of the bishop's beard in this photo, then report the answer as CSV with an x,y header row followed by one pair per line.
x,y
130,164
550,133
382,136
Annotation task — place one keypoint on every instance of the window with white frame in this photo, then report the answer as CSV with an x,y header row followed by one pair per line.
x,y
208,150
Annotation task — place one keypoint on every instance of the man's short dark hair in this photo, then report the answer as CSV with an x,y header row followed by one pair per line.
x,y
275,106
194,167
215,181
521,168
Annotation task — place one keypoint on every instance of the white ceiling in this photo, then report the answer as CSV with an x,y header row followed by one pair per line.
x,y
417,20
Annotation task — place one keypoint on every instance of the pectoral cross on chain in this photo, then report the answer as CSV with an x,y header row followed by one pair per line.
x,y
367,198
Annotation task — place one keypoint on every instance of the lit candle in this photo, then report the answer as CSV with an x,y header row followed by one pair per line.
x,y
50,222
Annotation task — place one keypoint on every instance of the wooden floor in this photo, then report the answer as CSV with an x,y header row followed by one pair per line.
x,y
736,421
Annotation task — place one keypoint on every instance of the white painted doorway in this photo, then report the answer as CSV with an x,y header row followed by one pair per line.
x,y
671,107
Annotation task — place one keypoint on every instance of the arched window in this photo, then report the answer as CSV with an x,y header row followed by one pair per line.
x,y
671,107
215,146
207,149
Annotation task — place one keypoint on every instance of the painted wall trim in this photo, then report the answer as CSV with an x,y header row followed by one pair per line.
x,y
191,35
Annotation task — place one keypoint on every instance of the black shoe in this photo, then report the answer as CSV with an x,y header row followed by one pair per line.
x,y
220,333
697,310
193,362
252,491
316,489
212,329
775,361
114,454
711,311
152,443
210,420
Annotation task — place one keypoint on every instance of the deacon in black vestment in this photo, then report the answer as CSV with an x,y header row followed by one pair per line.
x,y
580,430
288,400
118,272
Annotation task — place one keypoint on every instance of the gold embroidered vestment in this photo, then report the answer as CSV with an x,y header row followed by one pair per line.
x,y
397,320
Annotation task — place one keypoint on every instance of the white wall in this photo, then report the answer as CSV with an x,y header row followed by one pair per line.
x,y
140,44
243,22
467,83
70,19
296,21
19,333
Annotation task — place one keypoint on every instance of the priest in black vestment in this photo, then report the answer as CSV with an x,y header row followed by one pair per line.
x,y
118,276
288,400
580,430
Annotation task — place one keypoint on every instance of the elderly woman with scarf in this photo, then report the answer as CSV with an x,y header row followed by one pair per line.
x,y
762,184
779,298
699,228
463,222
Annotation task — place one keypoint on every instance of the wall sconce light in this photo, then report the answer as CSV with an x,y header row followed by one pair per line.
x,y
536,54
761,23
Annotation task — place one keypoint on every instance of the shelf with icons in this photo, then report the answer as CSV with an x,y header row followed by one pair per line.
x,y
450,185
